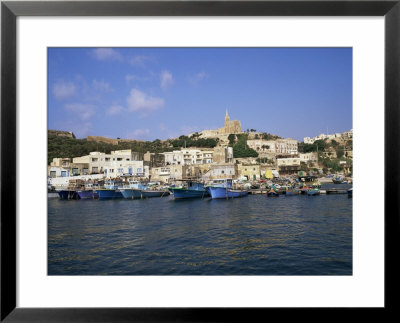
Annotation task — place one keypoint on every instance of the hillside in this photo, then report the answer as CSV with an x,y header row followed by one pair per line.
x,y
65,147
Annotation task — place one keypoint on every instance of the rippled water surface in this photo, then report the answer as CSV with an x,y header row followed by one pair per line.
x,y
254,235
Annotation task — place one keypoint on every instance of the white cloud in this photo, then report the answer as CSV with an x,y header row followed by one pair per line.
x,y
63,90
101,86
81,110
104,54
114,110
130,77
139,60
166,79
140,101
196,78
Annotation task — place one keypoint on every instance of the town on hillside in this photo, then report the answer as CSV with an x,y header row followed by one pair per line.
x,y
224,153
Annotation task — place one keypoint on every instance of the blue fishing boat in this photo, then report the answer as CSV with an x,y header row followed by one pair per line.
x,y
155,193
110,191
272,193
88,192
131,193
190,189
226,193
222,189
68,195
313,192
133,190
292,192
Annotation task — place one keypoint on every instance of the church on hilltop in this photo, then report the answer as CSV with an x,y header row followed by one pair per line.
x,y
231,126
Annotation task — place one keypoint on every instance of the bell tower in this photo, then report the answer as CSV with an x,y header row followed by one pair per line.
x,y
226,119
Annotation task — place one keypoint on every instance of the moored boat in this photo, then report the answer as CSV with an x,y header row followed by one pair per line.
x,y
292,192
105,193
314,191
309,181
338,180
225,192
88,194
131,193
154,193
110,191
68,195
272,193
191,189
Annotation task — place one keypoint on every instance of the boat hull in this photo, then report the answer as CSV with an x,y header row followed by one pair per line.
x,y
107,194
131,193
147,194
181,193
313,192
68,195
223,193
272,194
90,194
292,193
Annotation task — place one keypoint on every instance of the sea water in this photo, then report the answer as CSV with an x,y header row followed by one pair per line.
x,y
253,235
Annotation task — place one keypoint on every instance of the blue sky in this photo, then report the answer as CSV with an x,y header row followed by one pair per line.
x,y
160,93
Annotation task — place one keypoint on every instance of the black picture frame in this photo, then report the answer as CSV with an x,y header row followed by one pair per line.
x,y
10,10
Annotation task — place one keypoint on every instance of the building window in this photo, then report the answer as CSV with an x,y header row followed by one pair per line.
x,y
53,174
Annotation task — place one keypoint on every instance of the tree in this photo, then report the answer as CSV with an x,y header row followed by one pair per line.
x,y
231,138
241,150
340,152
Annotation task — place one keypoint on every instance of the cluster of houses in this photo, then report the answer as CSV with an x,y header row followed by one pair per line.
x,y
279,156
348,135
166,167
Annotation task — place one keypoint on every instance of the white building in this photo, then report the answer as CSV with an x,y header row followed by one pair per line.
x,y
308,157
173,157
188,157
98,161
345,136
261,145
288,161
56,171
221,171
125,168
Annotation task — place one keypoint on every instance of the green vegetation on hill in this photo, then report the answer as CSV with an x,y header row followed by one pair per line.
x,y
194,141
240,148
268,136
64,147
324,145
318,145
